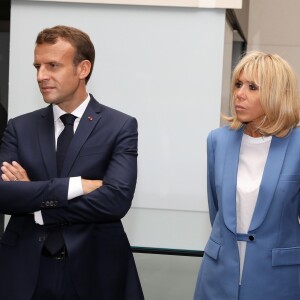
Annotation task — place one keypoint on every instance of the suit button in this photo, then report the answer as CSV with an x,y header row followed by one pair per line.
x,y
251,237
42,238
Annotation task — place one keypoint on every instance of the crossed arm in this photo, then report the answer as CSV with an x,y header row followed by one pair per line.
x,y
99,203
15,172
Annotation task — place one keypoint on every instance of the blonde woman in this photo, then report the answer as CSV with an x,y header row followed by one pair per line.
x,y
253,252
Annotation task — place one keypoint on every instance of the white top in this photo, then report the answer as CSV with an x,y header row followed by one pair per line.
x,y
252,160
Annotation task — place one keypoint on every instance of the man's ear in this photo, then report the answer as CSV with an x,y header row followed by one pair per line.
x,y
84,68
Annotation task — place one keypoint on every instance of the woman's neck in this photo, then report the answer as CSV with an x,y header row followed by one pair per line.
x,y
252,131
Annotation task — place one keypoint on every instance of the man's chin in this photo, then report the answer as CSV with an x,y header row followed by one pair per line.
x,y
50,100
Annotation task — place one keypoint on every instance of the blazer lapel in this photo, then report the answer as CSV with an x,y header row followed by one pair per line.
x,y
47,141
234,139
87,123
270,178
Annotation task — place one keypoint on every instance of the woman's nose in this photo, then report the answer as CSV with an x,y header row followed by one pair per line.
x,y
240,92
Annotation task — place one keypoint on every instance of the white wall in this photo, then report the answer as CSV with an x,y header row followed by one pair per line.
x,y
274,27
167,277
162,65
226,78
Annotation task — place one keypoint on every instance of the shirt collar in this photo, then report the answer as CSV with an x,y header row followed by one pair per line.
x,y
78,112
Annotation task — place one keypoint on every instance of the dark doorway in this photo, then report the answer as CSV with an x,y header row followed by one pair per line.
x,y
4,70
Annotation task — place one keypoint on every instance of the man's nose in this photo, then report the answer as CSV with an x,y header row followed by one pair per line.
x,y
42,74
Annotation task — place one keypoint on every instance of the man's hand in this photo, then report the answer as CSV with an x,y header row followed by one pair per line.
x,y
13,172
89,186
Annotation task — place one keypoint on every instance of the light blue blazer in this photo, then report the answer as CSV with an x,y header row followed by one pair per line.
x,y
272,261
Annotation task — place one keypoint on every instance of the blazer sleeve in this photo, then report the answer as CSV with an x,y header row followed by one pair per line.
x,y
111,201
211,189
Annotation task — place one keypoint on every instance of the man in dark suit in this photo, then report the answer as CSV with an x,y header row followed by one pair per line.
x,y
68,177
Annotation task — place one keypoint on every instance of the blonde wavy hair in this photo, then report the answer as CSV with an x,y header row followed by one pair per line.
x,y
278,92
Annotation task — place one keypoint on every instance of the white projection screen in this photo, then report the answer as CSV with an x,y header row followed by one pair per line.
x,y
162,65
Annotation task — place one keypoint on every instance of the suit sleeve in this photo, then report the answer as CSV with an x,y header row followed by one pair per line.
x,y
112,201
211,189
27,197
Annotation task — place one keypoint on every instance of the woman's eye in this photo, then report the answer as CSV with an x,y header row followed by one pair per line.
x,y
253,87
238,84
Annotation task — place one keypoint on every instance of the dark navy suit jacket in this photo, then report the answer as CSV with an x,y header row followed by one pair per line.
x,y
104,147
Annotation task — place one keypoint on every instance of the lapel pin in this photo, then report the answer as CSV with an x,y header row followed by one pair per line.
x,y
90,118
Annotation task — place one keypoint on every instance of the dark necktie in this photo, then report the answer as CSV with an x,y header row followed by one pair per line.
x,y
64,140
55,240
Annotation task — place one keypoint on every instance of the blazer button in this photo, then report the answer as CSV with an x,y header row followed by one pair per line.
x,y
251,237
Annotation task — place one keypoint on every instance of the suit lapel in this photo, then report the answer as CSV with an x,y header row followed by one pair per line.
x,y
270,178
87,123
234,139
47,141
268,185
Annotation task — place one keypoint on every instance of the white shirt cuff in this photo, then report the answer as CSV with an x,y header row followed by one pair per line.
x,y
75,188
38,218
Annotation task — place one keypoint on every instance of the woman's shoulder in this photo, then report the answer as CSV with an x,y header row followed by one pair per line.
x,y
294,135
221,131
219,136
296,130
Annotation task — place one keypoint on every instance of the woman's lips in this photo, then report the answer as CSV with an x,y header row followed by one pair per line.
x,y
239,108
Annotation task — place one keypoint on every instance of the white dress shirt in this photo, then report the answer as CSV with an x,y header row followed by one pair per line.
x,y
75,187
252,160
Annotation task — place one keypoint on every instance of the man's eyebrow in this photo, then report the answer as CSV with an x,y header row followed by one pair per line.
x,y
47,63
